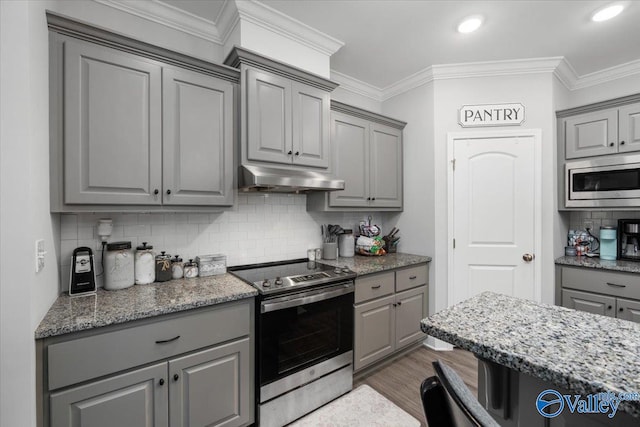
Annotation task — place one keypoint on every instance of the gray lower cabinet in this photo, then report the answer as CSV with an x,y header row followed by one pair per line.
x,y
608,293
187,369
367,154
128,130
388,309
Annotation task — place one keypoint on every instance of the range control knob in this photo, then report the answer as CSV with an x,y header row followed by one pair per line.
x,y
278,281
266,283
337,270
346,270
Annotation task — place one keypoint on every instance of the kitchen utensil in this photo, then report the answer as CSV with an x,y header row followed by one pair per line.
x,y
119,266
144,266
82,280
330,250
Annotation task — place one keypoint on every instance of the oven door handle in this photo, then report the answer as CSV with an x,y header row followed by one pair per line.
x,y
273,305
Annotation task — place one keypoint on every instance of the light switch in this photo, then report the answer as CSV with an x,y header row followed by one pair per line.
x,y
40,253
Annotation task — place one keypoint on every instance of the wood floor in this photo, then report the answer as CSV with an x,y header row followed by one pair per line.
x,y
400,381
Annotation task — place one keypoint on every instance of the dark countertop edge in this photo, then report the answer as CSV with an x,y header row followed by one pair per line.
x,y
53,332
517,363
586,262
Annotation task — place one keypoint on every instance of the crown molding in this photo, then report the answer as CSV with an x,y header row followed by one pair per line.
x,y
566,74
607,75
277,22
415,80
356,86
169,16
227,20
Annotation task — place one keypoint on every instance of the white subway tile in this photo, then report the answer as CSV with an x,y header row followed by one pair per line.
x,y
68,227
199,218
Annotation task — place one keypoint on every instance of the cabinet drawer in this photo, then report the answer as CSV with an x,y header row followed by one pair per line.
x,y
626,285
591,303
411,277
81,359
377,285
628,310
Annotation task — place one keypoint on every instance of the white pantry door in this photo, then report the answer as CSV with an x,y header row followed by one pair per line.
x,y
494,211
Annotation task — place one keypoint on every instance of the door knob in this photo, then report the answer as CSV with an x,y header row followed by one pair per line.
x,y
528,257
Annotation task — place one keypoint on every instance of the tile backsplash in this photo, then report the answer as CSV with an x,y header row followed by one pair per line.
x,y
260,228
577,219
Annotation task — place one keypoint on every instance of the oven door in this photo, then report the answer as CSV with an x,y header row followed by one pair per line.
x,y
594,184
304,329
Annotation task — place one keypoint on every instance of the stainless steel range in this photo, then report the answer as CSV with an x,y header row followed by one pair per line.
x,y
304,332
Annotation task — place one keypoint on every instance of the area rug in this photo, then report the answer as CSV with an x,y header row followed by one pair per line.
x,y
361,407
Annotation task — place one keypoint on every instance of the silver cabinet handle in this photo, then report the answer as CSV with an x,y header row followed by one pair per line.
x,y
166,341
413,277
615,285
376,287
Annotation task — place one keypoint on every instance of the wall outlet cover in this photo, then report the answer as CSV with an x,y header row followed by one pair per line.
x,y
40,253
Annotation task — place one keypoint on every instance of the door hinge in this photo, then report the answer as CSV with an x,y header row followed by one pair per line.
x,y
453,164
454,243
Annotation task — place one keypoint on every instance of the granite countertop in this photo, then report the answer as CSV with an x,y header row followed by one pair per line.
x,y
373,264
73,314
583,261
579,351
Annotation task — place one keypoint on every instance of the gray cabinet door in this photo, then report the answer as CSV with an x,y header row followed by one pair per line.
x,y
132,399
211,387
374,331
591,134
268,117
411,308
112,122
629,124
628,310
350,138
311,126
197,139
592,303
386,166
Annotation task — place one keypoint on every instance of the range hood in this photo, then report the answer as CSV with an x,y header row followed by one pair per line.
x,y
278,180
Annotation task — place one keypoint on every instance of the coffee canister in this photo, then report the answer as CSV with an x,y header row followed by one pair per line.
x,y
608,243
118,266
177,268
145,268
163,267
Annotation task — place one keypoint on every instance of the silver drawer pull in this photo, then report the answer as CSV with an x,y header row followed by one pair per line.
x,y
376,287
412,277
166,341
616,285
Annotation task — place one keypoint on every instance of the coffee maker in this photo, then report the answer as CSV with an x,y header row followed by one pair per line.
x,y
629,239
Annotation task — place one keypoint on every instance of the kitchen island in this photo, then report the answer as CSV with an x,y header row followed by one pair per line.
x,y
525,348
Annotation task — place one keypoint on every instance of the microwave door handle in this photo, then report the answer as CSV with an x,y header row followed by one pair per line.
x,y
273,305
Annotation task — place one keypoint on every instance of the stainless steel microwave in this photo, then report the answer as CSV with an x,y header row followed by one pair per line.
x,y
610,181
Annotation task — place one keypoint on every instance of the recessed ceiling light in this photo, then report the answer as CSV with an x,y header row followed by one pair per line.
x,y
470,24
607,12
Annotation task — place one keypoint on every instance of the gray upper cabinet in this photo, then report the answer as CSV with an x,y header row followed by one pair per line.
x,y
367,154
596,130
131,132
198,139
112,141
285,114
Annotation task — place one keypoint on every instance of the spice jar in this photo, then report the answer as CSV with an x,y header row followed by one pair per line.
x,y
177,268
190,269
118,266
163,267
144,264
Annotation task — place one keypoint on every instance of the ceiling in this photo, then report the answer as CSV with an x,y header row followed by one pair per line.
x,y
389,40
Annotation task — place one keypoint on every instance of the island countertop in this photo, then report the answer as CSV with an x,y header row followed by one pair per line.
x,y
362,265
582,352
73,314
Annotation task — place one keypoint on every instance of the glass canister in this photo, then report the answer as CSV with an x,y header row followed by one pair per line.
x,y
608,242
209,265
118,266
145,268
163,267
190,269
177,268
347,244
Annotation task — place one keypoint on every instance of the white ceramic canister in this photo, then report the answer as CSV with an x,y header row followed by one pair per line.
x,y
347,244
177,268
145,264
118,266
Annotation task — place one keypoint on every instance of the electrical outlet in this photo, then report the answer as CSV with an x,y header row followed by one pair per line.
x,y
40,253
588,224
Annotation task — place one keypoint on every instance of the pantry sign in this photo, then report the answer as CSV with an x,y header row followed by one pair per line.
x,y
491,115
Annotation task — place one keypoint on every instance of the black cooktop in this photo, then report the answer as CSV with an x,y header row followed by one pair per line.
x,y
284,276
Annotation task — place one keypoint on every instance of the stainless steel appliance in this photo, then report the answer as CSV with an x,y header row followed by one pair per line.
x,y
628,239
304,331
609,181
